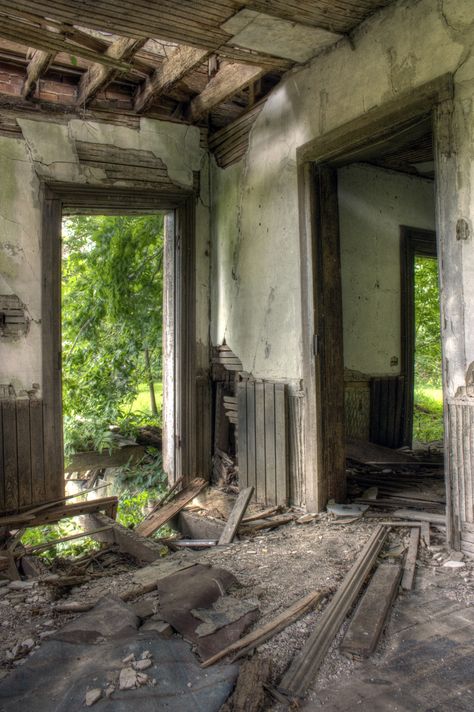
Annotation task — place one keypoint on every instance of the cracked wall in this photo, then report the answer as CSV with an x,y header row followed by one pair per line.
x,y
48,153
255,227
373,203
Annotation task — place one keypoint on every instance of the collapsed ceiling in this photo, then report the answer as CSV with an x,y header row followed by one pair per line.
x,y
205,62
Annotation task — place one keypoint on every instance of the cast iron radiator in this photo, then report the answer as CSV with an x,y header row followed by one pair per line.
x,y
262,446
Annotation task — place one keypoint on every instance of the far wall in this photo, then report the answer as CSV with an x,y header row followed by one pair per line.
x,y
373,204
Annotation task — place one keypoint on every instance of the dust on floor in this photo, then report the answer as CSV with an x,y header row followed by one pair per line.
x,y
274,567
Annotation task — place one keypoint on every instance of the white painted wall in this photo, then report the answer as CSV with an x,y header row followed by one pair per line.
x,y
399,48
373,203
47,153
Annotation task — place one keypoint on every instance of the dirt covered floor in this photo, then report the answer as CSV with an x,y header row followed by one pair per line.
x,y
273,568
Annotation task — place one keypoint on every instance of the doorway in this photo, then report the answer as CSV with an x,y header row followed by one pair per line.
x,y
421,338
377,135
181,447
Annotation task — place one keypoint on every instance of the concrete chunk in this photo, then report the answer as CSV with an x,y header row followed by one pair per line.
x,y
110,618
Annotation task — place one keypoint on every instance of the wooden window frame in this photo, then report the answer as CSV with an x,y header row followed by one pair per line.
x,y
60,199
317,163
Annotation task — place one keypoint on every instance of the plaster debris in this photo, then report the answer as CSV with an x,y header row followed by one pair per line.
x,y
92,696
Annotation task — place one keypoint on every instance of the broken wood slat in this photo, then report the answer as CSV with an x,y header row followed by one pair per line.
x,y
128,541
420,516
157,519
369,619
249,691
304,666
50,544
190,543
261,515
236,515
260,635
258,524
167,494
56,502
55,514
410,561
398,501
425,533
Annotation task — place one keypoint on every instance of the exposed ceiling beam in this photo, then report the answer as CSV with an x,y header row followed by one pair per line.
x,y
37,66
227,82
99,76
181,61
48,41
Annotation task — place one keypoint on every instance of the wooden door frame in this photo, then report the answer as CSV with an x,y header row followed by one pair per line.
x,y
59,199
413,242
345,144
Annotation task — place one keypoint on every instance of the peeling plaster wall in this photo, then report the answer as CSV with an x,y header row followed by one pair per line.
x,y
257,306
373,203
48,152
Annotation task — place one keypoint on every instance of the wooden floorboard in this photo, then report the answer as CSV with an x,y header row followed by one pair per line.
x,y
427,665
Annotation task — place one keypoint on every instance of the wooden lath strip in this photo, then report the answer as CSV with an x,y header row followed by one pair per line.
x,y
230,143
168,21
183,60
228,81
48,41
99,76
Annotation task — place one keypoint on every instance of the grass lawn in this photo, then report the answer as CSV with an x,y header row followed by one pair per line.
x,y
141,404
428,413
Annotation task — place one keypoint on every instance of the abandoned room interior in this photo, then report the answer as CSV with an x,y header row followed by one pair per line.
x,y
237,355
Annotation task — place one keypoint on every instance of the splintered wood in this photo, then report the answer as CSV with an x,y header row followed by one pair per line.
x,y
236,515
159,518
410,561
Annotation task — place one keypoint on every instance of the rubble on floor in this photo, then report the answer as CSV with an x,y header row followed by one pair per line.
x,y
265,594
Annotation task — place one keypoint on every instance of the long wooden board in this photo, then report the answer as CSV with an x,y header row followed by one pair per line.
x,y
236,515
410,561
157,519
259,636
369,619
303,669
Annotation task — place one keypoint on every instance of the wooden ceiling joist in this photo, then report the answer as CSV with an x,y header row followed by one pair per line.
x,y
38,64
181,61
228,81
99,76
53,42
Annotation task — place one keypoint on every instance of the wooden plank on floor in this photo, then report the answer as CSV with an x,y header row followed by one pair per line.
x,y
281,444
159,518
37,450
10,453
260,486
270,444
371,614
304,667
410,561
23,451
236,515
